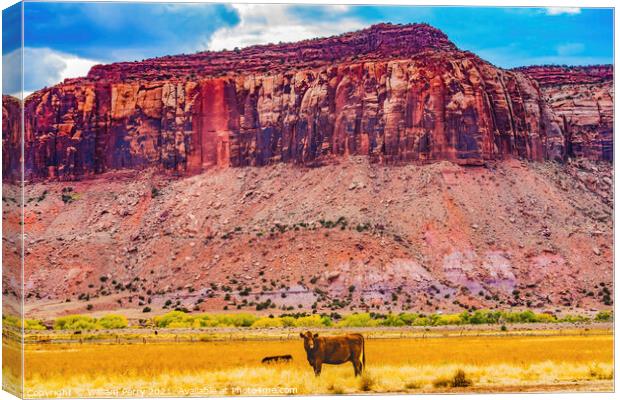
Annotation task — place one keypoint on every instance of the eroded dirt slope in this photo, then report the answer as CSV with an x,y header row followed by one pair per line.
x,y
348,236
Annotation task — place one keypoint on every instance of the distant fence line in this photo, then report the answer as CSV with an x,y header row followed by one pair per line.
x,y
144,336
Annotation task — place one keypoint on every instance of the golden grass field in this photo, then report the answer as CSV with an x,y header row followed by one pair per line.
x,y
574,361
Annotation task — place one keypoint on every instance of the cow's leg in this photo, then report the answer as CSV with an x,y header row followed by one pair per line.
x,y
357,366
317,368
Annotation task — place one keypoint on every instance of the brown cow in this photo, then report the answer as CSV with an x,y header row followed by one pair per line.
x,y
335,350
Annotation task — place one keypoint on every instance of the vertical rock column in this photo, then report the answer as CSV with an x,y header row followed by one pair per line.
x,y
11,137
215,120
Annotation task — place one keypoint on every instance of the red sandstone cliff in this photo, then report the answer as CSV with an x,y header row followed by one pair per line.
x,y
548,75
11,134
583,99
391,92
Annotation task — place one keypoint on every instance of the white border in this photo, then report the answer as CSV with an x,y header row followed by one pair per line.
x,y
485,3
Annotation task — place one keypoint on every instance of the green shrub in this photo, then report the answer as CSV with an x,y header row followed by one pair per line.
x,y
392,320
266,322
68,196
180,319
449,319
357,321
545,318
288,321
173,319
421,321
34,324
313,321
408,318
236,320
326,320
113,321
603,316
16,322
495,317
204,321
75,322
83,322
574,319
481,317
12,321
527,316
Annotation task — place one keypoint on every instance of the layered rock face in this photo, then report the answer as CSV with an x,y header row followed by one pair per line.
x,y
11,135
381,41
549,75
582,97
393,93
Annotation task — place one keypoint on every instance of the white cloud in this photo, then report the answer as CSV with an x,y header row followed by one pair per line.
x,y
563,10
42,67
273,23
341,7
11,73
569,49
51,67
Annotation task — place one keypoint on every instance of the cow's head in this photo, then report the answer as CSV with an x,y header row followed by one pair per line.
x,y
309,340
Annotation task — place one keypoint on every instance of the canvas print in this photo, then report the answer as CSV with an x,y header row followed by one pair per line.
x,y
250,199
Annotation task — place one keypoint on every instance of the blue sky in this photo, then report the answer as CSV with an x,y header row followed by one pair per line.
x,y
65,39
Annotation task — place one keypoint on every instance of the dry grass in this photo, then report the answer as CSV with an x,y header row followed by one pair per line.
x,y
396,365
459,380
11,367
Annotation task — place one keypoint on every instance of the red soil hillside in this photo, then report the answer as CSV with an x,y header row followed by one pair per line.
x,y
439,236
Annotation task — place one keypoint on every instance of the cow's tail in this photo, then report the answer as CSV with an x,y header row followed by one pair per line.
x,y
363,354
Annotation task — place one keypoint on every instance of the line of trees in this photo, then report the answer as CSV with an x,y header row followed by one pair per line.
x,y
180,319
